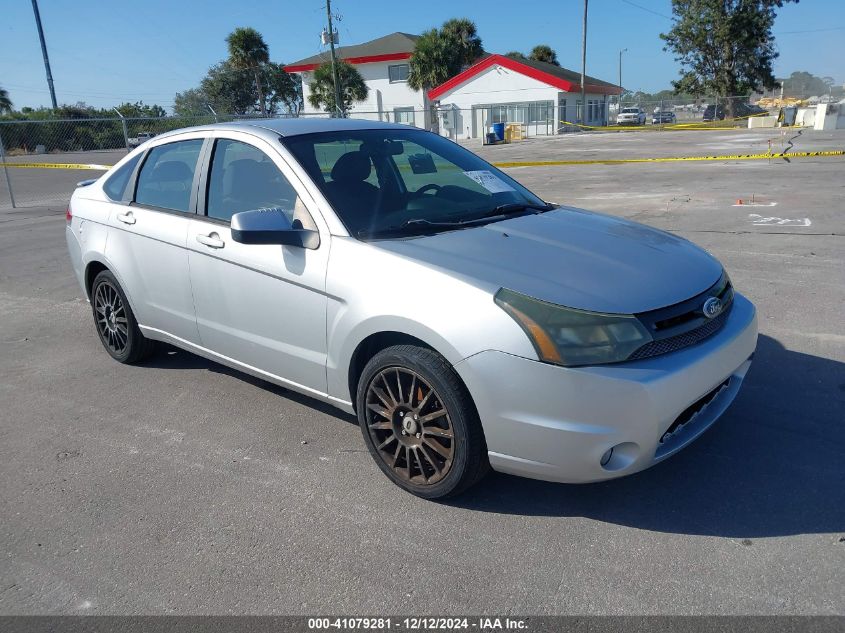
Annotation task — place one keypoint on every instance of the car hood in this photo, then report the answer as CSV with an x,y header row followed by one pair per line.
x,y
571,257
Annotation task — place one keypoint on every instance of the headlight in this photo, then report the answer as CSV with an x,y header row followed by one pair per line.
x,y
570,337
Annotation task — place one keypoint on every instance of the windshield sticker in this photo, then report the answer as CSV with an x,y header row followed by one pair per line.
x,y
489,181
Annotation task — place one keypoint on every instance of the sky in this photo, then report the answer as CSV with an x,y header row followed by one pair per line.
x,y
107,53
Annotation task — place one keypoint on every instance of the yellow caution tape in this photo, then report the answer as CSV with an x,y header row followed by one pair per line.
x,y
669,159
533,163
59,166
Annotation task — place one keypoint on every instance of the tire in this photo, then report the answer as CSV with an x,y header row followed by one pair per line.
x,y
419,422
115,323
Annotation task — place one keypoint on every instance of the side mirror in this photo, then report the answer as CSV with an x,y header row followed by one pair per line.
x,y
271,226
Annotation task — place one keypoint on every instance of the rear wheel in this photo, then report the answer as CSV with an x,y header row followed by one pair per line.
x,y
419,422
116,325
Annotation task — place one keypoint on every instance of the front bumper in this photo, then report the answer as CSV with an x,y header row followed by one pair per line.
x,y
556,423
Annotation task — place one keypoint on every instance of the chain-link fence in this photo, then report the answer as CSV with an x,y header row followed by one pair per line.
x,y
716,111
42,160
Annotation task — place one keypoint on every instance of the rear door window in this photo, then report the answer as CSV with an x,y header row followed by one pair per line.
x,y
167,175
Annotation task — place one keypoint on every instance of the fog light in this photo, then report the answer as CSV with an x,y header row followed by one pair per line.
x,y
606,457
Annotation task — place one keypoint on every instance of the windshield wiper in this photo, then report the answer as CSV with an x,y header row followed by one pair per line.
x,y
423,225
416,226
516,207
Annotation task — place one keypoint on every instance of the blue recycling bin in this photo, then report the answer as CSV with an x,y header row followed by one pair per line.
x,y
499,131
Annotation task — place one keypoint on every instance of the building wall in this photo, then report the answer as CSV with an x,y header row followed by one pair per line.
x,y
383,97
498,85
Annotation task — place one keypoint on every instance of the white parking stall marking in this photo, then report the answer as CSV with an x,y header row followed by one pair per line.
x,y
759,220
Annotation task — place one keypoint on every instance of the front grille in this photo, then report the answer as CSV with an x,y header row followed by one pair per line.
x,y
684,324
680,341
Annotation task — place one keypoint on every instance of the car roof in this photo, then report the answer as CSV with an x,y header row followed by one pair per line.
x,y
288,127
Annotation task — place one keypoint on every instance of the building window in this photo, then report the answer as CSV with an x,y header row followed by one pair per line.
x,y
398,72
404,115
535,112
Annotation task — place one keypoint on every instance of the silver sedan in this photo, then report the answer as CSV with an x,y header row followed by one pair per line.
x,y
390,272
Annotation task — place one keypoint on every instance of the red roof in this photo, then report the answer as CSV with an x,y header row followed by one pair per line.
x,y
366,59
547,73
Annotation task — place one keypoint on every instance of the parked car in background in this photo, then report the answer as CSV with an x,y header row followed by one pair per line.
x,y
143,137
394,274
714,113
663,116
631,116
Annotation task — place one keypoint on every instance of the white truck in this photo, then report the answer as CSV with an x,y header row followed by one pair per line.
x,y
631,116
143,137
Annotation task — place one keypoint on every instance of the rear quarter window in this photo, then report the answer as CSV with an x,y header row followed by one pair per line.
x,y
115,186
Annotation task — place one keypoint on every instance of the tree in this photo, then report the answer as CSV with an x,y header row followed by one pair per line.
x,y
232,91
191,102
283,89
352,86
138,109
543,53
464,35
515,55
5,102
432,61
440,54
725,47
803,84
249,51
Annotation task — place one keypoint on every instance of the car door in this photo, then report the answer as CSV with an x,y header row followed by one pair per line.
x,y
263,306
147,237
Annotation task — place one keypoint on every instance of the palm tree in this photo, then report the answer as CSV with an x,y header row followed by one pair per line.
x,y
543,53
432,62
441,54
352,86
515,55
249,51
464,32
5,102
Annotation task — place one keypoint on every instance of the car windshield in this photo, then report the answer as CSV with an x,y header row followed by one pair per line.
x,y
630,110
386,183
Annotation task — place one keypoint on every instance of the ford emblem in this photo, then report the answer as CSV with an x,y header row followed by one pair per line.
x,y
712,307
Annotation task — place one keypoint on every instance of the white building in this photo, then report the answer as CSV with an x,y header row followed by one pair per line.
x,y
383,63
499,89
496,89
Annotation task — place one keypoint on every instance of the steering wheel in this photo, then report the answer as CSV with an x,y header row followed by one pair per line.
x,y
429,186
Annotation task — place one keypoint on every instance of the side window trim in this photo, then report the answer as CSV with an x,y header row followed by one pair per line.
x,y
198,190
192,203
129,191
205,180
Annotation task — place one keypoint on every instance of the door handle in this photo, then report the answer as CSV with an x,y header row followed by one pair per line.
x,y
212,240
126,218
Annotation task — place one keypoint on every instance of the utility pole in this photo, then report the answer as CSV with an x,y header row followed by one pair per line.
x,y
337,91
584,67
619,99
44,52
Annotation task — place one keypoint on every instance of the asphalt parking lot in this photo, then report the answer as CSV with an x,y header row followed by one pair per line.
x,y
180,486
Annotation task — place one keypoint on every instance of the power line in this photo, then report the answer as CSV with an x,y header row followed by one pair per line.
x,y
634,4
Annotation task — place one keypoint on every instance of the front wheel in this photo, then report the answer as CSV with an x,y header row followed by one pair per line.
x,y
419,422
